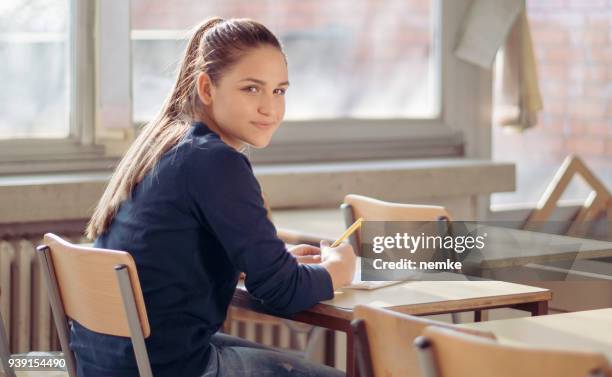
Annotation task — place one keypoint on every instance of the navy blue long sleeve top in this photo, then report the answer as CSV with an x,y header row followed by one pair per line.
x,y
192,225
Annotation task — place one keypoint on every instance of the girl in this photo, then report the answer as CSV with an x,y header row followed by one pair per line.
x,y
185,203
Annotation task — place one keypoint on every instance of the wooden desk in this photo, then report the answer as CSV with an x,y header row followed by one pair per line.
x,y
588,330
505,247
416,297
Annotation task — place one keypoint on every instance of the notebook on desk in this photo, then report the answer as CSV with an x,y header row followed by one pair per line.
x,y
369,285
357,283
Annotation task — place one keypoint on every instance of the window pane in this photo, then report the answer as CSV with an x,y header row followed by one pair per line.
x,y
347,59
34,51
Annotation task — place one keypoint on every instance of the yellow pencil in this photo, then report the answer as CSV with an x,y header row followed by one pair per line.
x,y
348,232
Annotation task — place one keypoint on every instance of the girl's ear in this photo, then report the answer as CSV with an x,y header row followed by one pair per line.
x,y
204,88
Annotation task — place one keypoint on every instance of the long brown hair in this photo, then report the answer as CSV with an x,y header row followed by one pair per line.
x,y
215,45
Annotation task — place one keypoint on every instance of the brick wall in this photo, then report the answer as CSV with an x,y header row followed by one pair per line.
x,y
573,44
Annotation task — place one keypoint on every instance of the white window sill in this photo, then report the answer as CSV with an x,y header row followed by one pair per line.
x,y
50,156
60,196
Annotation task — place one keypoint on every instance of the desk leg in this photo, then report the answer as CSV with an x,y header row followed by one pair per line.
x,y
330,348
351,361
535,308
540,308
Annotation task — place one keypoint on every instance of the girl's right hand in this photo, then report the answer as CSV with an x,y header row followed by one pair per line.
x,y
339,262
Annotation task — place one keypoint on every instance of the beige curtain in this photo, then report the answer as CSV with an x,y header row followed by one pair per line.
x,y
516,95
496,34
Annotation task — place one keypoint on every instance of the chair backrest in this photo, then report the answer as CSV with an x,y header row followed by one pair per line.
x,y
370,209
89,288
445,353
99,288
384,340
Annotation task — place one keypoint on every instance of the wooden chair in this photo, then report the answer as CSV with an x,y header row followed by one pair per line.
x,y
371,209
598,203
9,371
98,288
446,353
383,341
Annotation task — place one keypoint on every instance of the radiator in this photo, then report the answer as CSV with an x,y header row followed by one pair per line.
x,y
29,323
270,331
23,298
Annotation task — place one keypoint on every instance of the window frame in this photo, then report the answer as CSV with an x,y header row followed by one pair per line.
x,y
78,150
462,128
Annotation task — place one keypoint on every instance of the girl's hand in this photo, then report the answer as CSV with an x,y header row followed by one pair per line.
x,y
340,262
306,254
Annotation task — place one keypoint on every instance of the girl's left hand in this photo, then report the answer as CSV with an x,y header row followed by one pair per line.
x,y
306,254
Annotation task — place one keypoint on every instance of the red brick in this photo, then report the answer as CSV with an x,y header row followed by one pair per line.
x,y
545,4
587,110
553,71
593,72
546,148
568,19
536,23
587,146
558,121
414,37
550,85
600,129
555,106
597,89
577,127
557,55
419,6
549,37
609,149
590,38
575,90
555,128
599,21
587,4
602,55
545,143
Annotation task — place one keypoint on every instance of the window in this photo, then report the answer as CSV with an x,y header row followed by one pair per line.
x,y
34,50
384,83
47,115
374,62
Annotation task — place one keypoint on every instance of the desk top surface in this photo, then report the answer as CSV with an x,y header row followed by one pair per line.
x,y
421,297
428,297
586,330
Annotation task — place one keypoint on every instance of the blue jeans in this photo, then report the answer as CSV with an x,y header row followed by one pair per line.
x,y
232,357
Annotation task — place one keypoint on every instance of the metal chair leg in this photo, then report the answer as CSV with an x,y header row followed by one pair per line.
x,y
5,353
